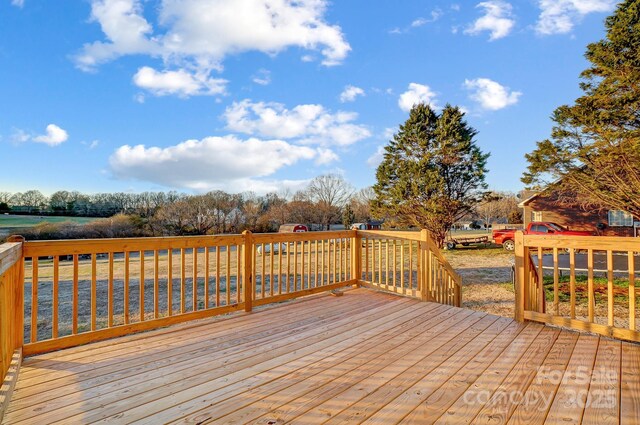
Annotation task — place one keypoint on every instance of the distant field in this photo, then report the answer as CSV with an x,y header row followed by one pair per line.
x,y
8,222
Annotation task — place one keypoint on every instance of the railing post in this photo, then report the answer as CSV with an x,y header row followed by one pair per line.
x,y
356,257
247,274
425,266
521,275
19,294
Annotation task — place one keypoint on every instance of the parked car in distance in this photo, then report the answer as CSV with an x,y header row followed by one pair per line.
x,y
506,237
277,248
369,225
293,228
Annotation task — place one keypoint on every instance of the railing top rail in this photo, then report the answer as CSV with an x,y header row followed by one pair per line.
x,y
301,236
89,246
408,235
10,253
615,243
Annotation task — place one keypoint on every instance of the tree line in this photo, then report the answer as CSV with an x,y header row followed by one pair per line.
x,y
321,204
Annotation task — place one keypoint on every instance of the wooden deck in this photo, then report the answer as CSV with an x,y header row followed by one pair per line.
x,y
363,357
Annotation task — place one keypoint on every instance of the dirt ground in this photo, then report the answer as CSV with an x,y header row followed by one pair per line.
x,y
486,275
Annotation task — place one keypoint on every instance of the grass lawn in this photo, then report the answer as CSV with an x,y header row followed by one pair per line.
x,y
9,221
600,289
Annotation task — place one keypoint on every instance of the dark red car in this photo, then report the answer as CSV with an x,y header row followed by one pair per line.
x,y
506,237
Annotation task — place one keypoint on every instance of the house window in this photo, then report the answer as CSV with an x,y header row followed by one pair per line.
x,y
618,218
536,215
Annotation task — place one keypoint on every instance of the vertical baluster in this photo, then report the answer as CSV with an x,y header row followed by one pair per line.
x,y
572,282
280,254
316,268
125,289
541,294
632,290
395,268
402,268
411,264
340,259
194,280
302,265
329,270
373,260
322,265
366,257
156,284
170,281
238,272
56,280
336,260
262,282
254,272
380,261
288,275
228,274
386,263
271,259
34,298
183,281
309,265
218,269
94,295
110,291
556,283
590,294
207,275
141,282
610,312
295,265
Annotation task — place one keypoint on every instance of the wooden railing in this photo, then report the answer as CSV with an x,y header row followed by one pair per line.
x,y
589,282
78,291
303,264
408,263
11,308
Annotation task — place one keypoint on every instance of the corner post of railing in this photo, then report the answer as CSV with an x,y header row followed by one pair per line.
x,y
247,273
356,257
18,313
424,274
521,275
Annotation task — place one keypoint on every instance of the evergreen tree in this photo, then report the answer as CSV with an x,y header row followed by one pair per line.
x,y
593,153
432,171
348,216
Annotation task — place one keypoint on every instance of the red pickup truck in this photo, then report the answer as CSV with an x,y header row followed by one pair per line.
x,y
506,237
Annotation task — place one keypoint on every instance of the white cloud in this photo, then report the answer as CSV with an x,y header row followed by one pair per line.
x,y
419,22
19,136
490,94
194,36
213,162
350,93
417,93
180,83
53,137
262,77
308,124
559,16
91,145
497,19
326,156
18,3
374,160
126,30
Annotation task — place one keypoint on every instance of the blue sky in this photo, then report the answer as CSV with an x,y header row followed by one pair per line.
x,y
262,95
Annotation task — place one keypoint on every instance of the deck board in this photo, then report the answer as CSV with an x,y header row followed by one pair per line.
x,y
365,357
